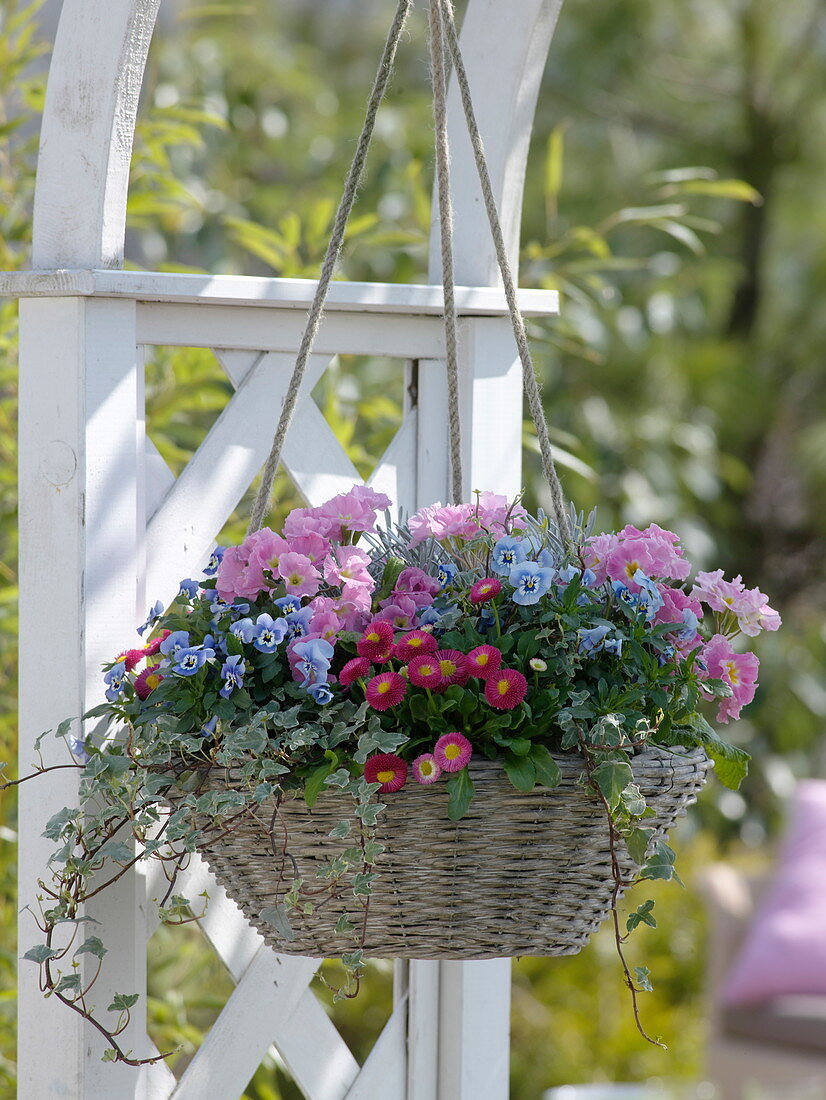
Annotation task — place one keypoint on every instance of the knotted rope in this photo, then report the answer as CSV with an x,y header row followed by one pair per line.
x,y
444,40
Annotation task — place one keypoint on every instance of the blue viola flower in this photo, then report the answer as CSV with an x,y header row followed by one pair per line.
x,y
666,655
546,559
446,573
593,640
288,605
116,680
218,605
188,589
649,598
624,593
211,567
208,728
269,633
155,612
507,552
244,630
240,608
78,749
186,662
690,626
613,645
314,658
486,619
232,673
530,581
431,616
298,622
175,642
321,693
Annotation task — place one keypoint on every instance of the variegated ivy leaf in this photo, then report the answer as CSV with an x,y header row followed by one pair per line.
x,y
379,740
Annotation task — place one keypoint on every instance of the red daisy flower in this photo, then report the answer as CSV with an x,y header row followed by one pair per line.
x,y
413,644
453,666
388,769
356,669
131,657
155,645
486,589
386,690
452,751
376,643
147,681
505,689
424,671
484,661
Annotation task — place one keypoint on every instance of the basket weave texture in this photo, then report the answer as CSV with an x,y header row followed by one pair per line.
x,y
520,874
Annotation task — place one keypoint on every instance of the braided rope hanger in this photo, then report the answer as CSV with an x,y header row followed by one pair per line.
x,y
443,40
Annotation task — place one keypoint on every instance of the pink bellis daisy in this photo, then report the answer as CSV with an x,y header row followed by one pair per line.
x,y
155,645
424,672
388,769
484,661
147,681
131,657
386,690
505,689
452,665
486,589
452,751
425,769
414,644
354,670
376,643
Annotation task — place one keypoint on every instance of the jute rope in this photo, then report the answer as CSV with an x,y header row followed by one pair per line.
x,y
439,82
528,372
443,39
351,186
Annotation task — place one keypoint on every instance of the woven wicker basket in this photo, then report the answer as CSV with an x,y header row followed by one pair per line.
x,y
521,874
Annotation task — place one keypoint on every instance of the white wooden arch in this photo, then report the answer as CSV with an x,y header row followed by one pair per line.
x,y
104,523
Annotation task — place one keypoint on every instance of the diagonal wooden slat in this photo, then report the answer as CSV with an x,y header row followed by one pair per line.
x,y
384,1074
395,473
317,1057
239,1038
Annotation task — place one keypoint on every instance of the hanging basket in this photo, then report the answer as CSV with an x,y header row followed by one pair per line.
x,y
520,874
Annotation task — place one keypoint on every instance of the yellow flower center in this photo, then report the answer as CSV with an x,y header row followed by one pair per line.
x,y
296,578
426,670
385,777
273,562
383,687
448,668
630,569
414,643
373,637
452,751
426,768
153,680
733,674
482,659
502,687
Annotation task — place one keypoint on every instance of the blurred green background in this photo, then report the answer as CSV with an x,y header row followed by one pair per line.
x,y
674,197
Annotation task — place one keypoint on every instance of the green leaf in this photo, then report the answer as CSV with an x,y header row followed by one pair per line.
x,y
612,777
314,783
92,946
276,915
730,763
109,1055
461,791
547,769
521,771
642,976
637,843
40,953
642,915
340,831
121,1002
660,864
117,851
633,800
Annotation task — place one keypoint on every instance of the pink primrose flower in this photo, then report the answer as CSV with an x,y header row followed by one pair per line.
x,y
440,522
376,643
678,607
311,545
325,622
505,689
401,611
739,670
414,644
356,669
626,558
484,661
153,647
749,605
425,769
418,585
348,565
486,589
493,512
300,576
264,549
309,521
388,769
385,690
595,552
147,681
235,579
453,751
354,510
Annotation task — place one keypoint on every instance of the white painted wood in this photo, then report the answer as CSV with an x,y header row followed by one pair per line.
x,y
432,449
317,1057
266,996
510,40
236,290
86,134
384,1072
423,1030
245,327
158,476
395,473
474,1028
79,529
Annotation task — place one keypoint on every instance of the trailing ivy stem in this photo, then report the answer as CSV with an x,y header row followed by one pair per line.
x,y
619,883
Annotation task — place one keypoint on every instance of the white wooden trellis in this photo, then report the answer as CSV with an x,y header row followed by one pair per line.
x,y
104,526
